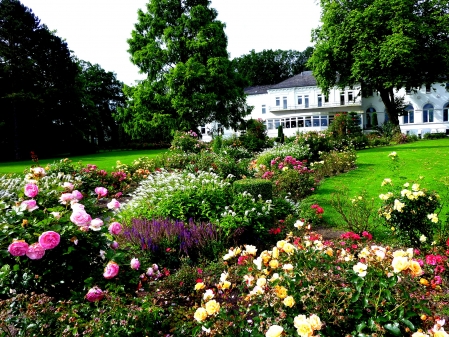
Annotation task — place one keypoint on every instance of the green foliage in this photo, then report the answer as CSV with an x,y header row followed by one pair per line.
x,y
271,66
255,138
186,142
217,143
256,187
297,151
379,25
333,163
280,134
345,125
190,81
294,184
434,135
310,213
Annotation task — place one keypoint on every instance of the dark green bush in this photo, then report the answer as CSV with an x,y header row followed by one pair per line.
x,y
434,135
255,187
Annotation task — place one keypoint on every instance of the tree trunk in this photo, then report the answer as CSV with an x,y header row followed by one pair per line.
x,y
387,96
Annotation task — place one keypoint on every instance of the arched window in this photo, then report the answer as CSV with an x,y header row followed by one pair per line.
x,y
445,112
409,116
427,113
369,117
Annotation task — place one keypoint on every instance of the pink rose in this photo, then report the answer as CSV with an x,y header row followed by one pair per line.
x,y
65,198
115,228
150,272
80,218
30,205
77,195
111,270
135,264
101,192
155,267
113,204
38,171
18,248
35,251
49,239
114,245
94,294
31,190
75,205
96,224
68,186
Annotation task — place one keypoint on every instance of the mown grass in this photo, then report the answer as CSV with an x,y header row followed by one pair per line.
x,y
104,160
425,162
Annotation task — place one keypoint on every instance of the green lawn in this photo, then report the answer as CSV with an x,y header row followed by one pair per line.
x,y
428,159
104,160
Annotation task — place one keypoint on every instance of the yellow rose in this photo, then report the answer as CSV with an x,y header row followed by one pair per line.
x,y
288,248
424,282
212,307
226,285
281,292
420,334
289,301
305,329
251,250
266,256
298,320
440,334
274,331
200,314
274,264
415,268
400,263
199,286
275,253
329,251
280,244
315,322
261,282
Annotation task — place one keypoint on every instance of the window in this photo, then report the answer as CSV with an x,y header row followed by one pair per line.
x,y
284,102
428,88
306,101
264,109
342,99
308,121
203,129
277,122
323,120
293,122
300,122
320,100
270,124
316,120
350,96
427,113
409,116
369,116
299,100
445,112
287,123
278,101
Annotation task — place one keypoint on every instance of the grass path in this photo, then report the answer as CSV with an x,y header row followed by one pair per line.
x,y
428,159
104,160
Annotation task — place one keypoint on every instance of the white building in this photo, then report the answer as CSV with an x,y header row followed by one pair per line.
x,y
299,105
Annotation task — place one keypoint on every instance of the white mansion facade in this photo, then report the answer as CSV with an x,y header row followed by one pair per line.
x,y
299,106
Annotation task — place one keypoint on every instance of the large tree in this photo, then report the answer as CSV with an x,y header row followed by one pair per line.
x,y
271,66
101,96
383,45
181,46
37,84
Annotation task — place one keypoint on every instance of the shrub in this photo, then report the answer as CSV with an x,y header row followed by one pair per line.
x,y
410,213
310,214
298,151
217,143
294,184
180,196
333,163
186,142
256,187
255,138
317,141
356,212
434,135
345,125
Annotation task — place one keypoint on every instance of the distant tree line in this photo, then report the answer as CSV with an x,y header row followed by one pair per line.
x,y
50,102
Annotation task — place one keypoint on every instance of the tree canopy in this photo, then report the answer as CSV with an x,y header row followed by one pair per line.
x,y
271,66
181,46
383,45
50,102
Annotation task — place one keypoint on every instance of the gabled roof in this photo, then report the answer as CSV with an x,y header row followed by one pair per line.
x,y
257,90
305,79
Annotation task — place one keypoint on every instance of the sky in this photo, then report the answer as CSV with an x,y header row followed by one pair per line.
x,y
96,30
